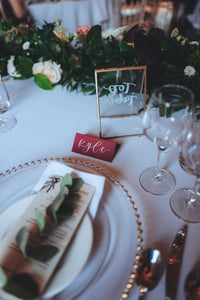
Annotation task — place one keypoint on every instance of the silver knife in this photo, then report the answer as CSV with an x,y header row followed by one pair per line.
x,y
174,263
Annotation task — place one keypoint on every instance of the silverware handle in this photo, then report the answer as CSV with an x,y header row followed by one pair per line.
x,y
141,297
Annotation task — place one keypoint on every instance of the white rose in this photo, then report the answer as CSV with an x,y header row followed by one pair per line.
x,y
11,68
26,45
50,69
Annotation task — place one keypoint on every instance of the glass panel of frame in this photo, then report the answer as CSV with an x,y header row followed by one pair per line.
x,y
121,101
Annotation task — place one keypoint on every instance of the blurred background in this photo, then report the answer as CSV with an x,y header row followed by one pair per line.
x,y
184,14
110,14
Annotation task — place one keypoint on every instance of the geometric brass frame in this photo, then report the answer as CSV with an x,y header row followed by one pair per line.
x,y
142,88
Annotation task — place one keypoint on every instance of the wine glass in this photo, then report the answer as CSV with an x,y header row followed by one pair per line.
x,y
168,115
6,122
185,202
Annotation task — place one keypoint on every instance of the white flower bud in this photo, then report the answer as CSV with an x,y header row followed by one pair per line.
x,y
11,67
26,45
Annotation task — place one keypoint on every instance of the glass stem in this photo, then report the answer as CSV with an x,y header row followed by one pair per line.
x,y
158,176
195,192
2,123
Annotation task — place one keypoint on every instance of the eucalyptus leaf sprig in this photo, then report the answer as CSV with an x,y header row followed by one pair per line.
x,y
58,210
68,195
22,285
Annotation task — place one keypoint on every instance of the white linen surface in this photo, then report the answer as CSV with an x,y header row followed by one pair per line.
x,y
58,169
71,13
47,122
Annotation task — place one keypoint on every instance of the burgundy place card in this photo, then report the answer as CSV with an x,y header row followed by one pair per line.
x,y
94,147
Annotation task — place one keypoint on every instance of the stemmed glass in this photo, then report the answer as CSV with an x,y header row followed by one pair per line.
x,y
168,115
6,122
185,203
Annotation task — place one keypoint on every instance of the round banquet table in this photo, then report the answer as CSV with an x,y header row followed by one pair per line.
x,y
47,122
74,13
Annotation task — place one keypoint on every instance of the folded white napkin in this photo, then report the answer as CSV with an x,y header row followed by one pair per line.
x,y
58,169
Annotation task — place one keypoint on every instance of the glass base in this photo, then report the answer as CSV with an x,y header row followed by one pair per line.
x,y
157,185
7,123
183,207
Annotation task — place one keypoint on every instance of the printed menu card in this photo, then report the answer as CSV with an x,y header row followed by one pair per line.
x,y
12,260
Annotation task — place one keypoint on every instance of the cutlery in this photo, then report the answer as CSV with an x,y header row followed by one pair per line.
x,y
174,263
192,285
149,271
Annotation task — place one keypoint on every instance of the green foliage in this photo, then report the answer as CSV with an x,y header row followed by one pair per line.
x,y
23,286
177,52
22,239
25,67
40,221
40,253
62,206
60,209
3,278
80,54
77,56
43,82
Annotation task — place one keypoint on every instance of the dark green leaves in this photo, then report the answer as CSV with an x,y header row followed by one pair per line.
x,y
61,208
126,49
94,34
173,68
43,82
25,67
54,207
22,285
62,205
40,253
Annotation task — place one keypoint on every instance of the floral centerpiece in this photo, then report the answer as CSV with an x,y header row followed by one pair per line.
x,y
53,56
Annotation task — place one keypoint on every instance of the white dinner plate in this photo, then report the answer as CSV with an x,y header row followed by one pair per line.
x,y
76,256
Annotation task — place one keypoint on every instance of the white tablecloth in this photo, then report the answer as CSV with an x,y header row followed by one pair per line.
x,y
73,13
47,122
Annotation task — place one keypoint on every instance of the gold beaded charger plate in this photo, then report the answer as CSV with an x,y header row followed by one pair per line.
x,y
117,230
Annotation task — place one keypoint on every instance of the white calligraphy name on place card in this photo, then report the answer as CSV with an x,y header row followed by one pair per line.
x,y
94,147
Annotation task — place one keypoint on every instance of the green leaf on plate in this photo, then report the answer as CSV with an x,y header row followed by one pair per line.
x,y
3,277
67,207
23,286
54,207
40,221
77,183
68,186
66,180
22,239
43,82
42,253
